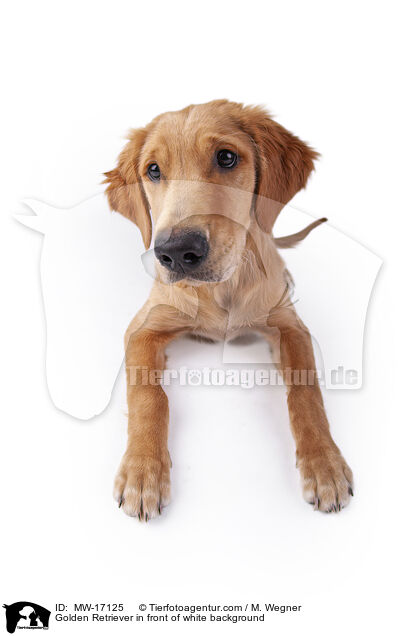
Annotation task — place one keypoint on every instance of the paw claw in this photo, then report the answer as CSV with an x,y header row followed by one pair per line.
x,y
142,486
326,480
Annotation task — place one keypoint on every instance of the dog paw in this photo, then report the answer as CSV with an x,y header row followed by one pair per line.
x,y
142,486
327,481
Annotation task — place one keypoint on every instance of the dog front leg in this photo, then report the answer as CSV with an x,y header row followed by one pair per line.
x,y
327,480
142,484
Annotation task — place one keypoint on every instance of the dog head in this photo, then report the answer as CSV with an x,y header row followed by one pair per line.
x,y
208,173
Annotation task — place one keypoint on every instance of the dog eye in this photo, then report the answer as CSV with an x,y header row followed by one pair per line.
x,y
154,172
227,159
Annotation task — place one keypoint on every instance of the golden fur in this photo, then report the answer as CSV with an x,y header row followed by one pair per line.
x,y
242,286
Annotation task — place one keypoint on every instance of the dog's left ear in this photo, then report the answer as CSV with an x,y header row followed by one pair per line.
x,y
283,165
125,190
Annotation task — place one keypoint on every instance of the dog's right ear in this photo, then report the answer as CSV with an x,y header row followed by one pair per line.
x,y
125,189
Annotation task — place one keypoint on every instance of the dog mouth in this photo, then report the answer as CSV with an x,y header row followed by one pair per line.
x,y
201,277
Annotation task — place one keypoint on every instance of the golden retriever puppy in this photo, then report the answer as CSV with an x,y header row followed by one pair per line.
x,y
208,182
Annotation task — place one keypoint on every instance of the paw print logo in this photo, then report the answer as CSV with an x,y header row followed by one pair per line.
x,y
194,377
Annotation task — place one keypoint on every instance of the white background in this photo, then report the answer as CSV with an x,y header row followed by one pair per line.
x,y
75,77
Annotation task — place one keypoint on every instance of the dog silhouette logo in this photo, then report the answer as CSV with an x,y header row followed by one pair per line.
x,y
95,278
26,615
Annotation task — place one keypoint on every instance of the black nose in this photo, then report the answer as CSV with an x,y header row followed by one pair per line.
x,y
182,251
